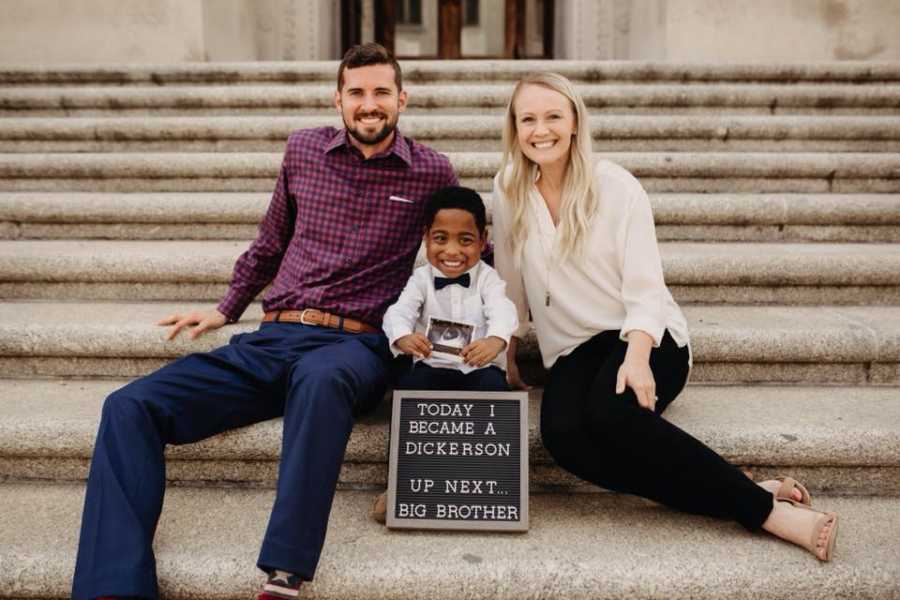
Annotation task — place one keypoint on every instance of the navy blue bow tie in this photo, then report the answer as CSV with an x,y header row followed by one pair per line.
x,y
442,282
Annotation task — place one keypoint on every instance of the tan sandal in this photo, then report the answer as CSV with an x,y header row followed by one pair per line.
x,y
826,519
379,508
788,485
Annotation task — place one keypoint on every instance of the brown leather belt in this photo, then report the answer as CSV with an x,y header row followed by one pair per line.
x,y
319,318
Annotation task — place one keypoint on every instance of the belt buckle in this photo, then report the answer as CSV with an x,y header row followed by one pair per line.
x,y
303,320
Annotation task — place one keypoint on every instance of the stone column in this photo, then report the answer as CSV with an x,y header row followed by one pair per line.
x,y
272,29
592,30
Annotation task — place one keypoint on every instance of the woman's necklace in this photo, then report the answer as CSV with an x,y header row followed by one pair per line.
x,y
542,239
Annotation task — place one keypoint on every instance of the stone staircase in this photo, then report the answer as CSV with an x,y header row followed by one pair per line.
x,y
127,193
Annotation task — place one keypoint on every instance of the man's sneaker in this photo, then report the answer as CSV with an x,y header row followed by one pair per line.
x,y
281,586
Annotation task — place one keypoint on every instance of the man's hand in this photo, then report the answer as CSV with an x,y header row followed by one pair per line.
x,y
201,320
415,344
513,378
481,352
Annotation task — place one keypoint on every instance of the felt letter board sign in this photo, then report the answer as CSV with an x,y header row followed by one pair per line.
x,y
459,460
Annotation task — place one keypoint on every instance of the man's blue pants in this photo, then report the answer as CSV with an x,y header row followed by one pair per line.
x,y
317,378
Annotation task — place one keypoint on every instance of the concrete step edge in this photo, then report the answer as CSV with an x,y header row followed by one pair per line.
x,y
774,426
577,547
233,207
94,166
462,70
720,334
450,127
495,95
734,264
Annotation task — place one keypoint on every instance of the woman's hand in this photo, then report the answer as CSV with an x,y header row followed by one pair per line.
x,y
635,370
512,367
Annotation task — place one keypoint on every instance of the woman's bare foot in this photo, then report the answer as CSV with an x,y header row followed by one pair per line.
x,y
814,530
772,485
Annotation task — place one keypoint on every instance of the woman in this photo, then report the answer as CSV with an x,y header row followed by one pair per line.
x,y
575,242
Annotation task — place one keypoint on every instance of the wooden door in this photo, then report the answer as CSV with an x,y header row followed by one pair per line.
x,y
448,18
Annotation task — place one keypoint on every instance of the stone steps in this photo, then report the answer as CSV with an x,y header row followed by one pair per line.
x,y
440,99
722,273
599,546
621,133
771,154
679,217
659,172
442,71
817,345
836,439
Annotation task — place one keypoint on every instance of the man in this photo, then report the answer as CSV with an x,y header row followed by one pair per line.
x,y
337,244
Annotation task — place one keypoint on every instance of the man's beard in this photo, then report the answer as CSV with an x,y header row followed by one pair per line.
x,y
375,138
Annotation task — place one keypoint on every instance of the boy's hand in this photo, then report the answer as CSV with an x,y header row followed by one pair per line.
x,y
415,344
481,352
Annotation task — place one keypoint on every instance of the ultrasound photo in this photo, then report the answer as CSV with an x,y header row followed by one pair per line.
x,y
448,338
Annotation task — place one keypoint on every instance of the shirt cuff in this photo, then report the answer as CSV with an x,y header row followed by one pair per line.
x,y
394,350
522,330
231,309
648,325
502,334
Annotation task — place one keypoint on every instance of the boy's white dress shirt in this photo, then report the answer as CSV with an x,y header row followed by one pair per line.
x,y
483,304
616,284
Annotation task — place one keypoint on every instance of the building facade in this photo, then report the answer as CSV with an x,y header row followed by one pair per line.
x,y
167,31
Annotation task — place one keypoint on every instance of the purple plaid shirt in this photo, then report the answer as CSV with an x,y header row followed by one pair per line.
x,y
342,232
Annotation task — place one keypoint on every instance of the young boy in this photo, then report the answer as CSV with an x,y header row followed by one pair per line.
x,y
461,298
465,296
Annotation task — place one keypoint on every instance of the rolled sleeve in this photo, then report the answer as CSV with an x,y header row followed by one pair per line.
x,y
643,284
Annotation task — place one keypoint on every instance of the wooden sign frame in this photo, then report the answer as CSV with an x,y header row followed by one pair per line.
x,y
417,522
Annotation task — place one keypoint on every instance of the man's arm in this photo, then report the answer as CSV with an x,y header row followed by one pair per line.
x,y
253,270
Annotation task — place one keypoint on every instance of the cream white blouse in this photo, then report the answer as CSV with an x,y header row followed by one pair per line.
x,y
617,284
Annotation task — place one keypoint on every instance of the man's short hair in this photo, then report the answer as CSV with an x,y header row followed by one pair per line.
x,y
462,198
363,55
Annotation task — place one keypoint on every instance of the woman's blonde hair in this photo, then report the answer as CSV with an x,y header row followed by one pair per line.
x,y
579,200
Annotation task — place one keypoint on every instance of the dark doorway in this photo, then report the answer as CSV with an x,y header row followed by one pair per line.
x,y
455,29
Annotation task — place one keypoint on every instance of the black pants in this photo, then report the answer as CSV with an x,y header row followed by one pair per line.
x,y
426,377
611,441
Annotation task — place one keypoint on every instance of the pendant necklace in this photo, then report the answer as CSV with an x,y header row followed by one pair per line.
x,y
535,211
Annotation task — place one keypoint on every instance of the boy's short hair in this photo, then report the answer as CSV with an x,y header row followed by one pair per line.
x,y
363,55
462,198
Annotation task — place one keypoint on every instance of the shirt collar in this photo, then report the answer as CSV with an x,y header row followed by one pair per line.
x,y
399,147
